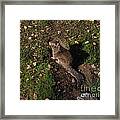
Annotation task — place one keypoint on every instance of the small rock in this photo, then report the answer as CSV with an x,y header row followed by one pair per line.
x,y
34,63
95,72
29,26
59,32
32,34
76,42
47,29
55,69
35,54
59,90
42,30
35,58
35,29
88,30
72,37
93,66
86,42
25,27
26,46
94,43
64,91
28,67
49,66
58,82
27,79
94,37
40,75
29,38
33,47
36,35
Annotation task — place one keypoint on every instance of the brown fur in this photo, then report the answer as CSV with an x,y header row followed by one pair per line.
x,y
63,57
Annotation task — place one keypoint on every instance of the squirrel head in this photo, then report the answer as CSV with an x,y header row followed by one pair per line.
x,y
55,44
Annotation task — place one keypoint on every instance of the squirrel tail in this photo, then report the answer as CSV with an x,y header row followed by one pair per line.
x,y
79,77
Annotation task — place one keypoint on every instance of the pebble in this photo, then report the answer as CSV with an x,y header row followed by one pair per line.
x,y
59,90
64,91
28,66
58,82
93,66
33,47
35,54
26,46
34,63
59,32
94,43
76,42
86,42
29,26
35,58
95,72
42,30
36,35
72,37
29,38
55,69
35,29
49,66
40,75
88,30
25,27
94,37
27,79
47,29
32,34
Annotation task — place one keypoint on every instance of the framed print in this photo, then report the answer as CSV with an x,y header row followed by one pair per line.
x,y
60,59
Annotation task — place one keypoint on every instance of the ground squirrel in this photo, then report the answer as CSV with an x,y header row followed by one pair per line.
x,y
64,58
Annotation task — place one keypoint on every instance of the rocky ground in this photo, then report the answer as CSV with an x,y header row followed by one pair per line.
x,y
41,77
